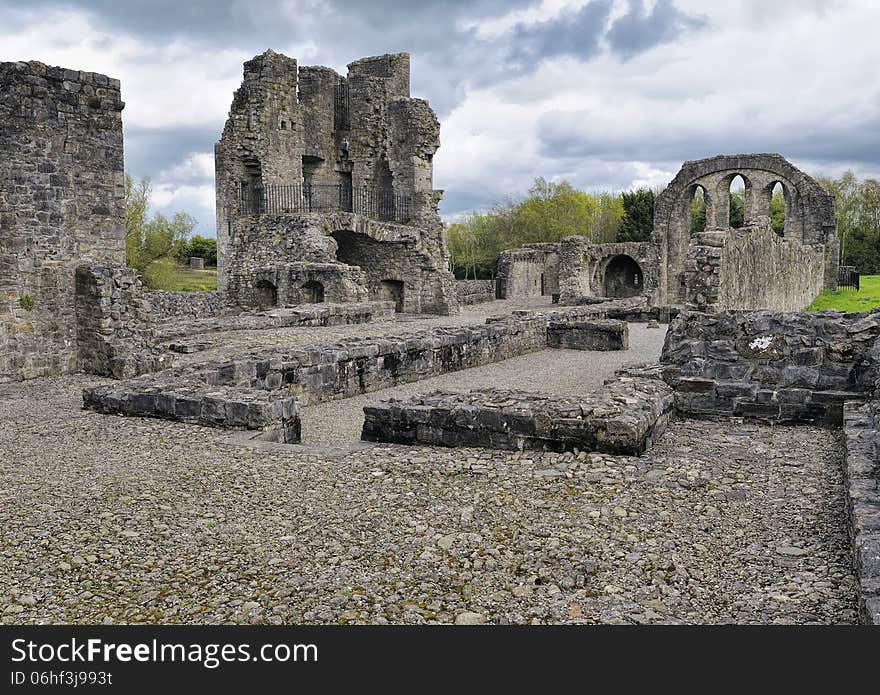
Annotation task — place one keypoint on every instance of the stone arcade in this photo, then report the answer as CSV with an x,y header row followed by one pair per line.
x,y
720,268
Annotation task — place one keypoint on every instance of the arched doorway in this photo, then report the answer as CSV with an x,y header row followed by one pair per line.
x,y
265,294
313,292
392,291
623,277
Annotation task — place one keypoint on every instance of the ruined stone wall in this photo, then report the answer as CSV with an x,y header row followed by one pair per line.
x,y
165,305
115,336
625,416
809,211
529,271
583,266
862,484
475,291
354,258
61,204
751,268
316,142
770,365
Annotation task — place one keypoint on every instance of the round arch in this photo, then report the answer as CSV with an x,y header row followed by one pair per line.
x,y
622,276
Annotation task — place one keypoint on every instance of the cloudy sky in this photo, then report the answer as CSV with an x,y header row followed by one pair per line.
x,y
608,94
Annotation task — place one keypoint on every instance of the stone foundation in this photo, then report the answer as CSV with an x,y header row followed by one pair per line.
x,y
795,367
474,291
227,407
862,479
588,335
623,417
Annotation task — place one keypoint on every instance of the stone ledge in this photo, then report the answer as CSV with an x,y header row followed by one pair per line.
x,y
225,407
599,334
625,416
862,485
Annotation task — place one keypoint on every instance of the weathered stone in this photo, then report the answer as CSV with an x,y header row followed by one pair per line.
x,y
601,334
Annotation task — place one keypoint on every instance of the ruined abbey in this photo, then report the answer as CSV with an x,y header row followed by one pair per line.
x,y
553,380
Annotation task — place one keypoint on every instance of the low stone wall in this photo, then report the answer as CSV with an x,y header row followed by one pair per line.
x,y
862,481
227,407
625,416
783,367
475,291
315,373
601,334
166,305
114,334
304,315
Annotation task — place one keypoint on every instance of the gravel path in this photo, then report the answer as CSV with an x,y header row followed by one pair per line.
x,y
565,372
110,519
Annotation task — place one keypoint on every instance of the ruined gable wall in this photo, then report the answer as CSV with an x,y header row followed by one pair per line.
x,y
61,203
751,268
526,271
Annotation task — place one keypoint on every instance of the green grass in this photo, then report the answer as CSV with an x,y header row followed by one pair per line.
x,y
167,274
867,298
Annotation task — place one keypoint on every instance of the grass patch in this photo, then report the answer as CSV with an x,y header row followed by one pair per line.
x,y
168,274
867,298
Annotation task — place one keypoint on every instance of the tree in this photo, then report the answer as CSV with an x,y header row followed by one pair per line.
x,y
147,239
638,219
777,212
737,209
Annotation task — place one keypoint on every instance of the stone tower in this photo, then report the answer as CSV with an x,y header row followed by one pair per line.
x,y
325,191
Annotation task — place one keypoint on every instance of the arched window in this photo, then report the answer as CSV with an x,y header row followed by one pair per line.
x,y
736,216
623,277
778,208
698,210
313,292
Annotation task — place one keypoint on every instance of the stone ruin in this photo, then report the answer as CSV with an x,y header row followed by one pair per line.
x,y
61,205
327,216
720,268
324,189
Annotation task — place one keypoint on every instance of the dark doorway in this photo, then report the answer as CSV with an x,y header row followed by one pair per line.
x,y
392,291
623,277
265,294
313,292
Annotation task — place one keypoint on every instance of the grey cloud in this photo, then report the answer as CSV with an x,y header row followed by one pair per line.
x,y
574,33
638,30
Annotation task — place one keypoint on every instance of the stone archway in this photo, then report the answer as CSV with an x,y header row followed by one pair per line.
x,y
265,295
392,291
313,292
623,277
809,210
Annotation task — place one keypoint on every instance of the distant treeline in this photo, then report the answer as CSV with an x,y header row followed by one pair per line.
x,y
550,212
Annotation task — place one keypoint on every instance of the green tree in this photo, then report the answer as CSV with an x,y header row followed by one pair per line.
x,y
698,214
147,239
638,219
777,212
737,209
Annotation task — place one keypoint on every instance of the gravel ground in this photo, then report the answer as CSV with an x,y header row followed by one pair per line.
x,y
229,343
564,372
110,519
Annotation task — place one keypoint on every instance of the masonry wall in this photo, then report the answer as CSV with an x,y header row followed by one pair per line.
x,y
166,305
783,367
752,268
114,330
475,291
61,204
529,271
